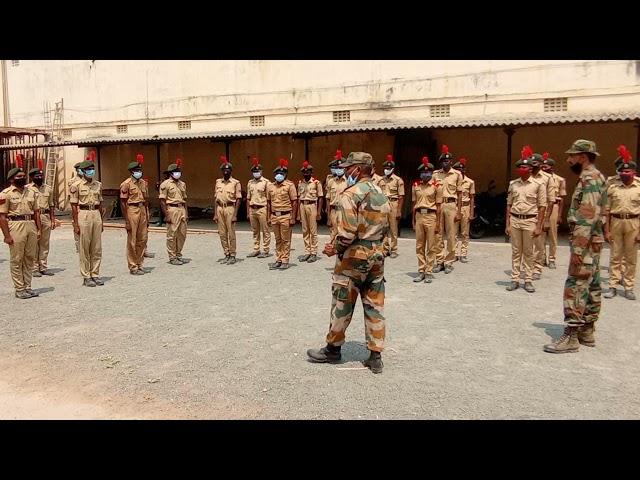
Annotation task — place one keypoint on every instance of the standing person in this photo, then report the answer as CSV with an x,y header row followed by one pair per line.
x,y
393,188
467,211
310,197
173,201
74,180
87,210
134,200
546,181
21,229
426,196
335,187
558,190
47,213
282,209
451,181
582,291
526,204
257,189
622,226
226,203
165,176
363,216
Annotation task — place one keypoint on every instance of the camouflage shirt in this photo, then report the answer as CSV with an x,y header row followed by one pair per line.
x,y
586,210
363,214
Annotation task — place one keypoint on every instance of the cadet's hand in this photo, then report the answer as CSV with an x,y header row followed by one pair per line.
x,y
328,221
234,219
318,217
53,225
127,226
638,238
545,228
559,220
76,229
8,240
458,217
292,221
39,234
507,230
329,251
537,232
413,224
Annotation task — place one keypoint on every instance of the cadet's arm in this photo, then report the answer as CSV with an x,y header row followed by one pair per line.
x,y
320,204
163,207
74,217
438,216
36,217
235,210
400,205
4,225
125,212
294,213
472,207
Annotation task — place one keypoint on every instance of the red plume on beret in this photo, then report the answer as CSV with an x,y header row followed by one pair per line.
x,y
463,161
338,154
40,164
545,155
140,158
526,152
223,159
92,156
255,161
284,163
389,157
445,149
179,162
19,160
305,164
624,153
425,161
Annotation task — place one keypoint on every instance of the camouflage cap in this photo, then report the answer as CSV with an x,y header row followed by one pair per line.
x,y
35,171
583,146
357,158
14,171
133,165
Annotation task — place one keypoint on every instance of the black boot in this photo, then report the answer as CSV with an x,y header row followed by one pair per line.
x,y
419,278
374,362
328,354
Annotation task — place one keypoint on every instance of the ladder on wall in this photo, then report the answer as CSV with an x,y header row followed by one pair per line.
x,y
55,172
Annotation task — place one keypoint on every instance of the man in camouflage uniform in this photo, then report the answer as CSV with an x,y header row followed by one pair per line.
x,y
582,291
362,222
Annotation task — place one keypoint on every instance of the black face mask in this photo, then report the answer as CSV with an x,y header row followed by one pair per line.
x,y
446,166
306,177
38,181
227,175
20,182
576,168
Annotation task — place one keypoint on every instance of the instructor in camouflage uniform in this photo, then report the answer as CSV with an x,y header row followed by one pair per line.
x,y
582,291
362,222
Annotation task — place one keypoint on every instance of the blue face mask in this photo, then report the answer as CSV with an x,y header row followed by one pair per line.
x,y
137,175
79,172
339,172
425,176
89,173
279,178
257,175
333,172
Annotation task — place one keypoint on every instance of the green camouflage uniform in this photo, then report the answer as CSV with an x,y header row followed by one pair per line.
x,y
582,290
362,223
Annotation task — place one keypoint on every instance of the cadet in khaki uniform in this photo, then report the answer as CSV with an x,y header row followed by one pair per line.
x,y
555,205
451,181
622,227
393,188
362,223
544,179
327,181
526,203
173,201
74,181
335,187
21,229
426,197
467,200
257,210
46,212
282,208
87,209
134,199
227,196
310,197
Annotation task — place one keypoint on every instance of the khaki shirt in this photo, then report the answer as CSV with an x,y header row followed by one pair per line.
x,y
545,180
227,191
281,196
557,188
623,198
45,196
310,190
376,179
135,191
337,186
86,193
426,195
392,187
257,191
173,192
451,182
525,197
467,188
14,202
613,178
74,181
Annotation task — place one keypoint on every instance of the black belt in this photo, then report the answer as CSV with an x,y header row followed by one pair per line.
x,y
180,205
557,200
625,216
517,215
308,201
257,206
88,207
466,204
19,218
226,204
136,204
280,214
426,210
393,199
45,210
449,200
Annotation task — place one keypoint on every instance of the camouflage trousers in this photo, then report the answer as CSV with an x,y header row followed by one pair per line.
x,y
361,271
582,290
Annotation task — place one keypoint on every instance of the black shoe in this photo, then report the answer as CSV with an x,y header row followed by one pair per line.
x,y
304,258
393,255
32,293
312,258
275,266
283,266
149,255
612,292
36,274
537,276
438,268
513,286
328,354
253,254
464,260
263,255
88,282
448,268
225,259
97,281
428,278
231,261
48,273
374,362
419,278
528,286
552,265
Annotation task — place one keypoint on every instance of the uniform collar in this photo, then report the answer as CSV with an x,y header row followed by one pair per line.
x,y
227,181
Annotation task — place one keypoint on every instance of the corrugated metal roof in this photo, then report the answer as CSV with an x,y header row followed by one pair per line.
x,y
501,120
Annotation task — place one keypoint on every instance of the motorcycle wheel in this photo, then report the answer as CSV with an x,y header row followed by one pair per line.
x,y
477,231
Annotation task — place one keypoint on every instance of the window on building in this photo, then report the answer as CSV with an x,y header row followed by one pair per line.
x,y
66,132
122,128
184,125
439,110
555,104
342,116
15,63
256,121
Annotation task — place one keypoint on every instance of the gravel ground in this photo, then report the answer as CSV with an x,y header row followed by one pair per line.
x,y
205,340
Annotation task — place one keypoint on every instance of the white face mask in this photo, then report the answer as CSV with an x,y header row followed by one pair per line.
x,y
339,172
257,175
388,171
176,175
279,178
137,175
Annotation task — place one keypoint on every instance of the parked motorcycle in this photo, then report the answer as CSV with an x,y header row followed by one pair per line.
x,y
489,211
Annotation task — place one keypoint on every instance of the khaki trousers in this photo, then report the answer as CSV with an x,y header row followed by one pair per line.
x,y
426,241
260,223
391,240
282,232
624,249
176,231
308,215
42,247
137,236
22,253
462,230
90,223
227,229
522,247
448,230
